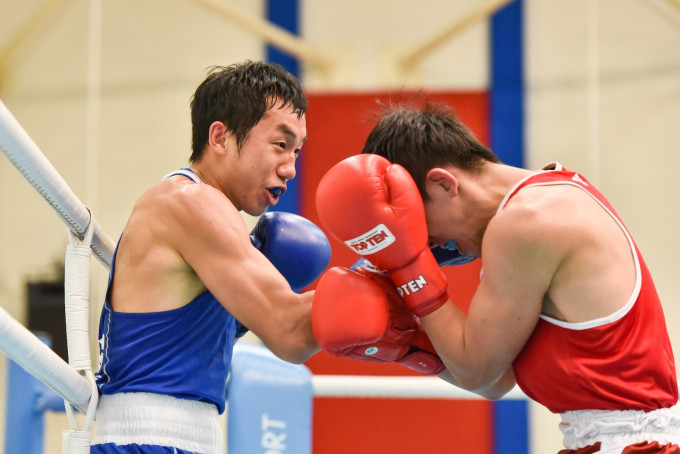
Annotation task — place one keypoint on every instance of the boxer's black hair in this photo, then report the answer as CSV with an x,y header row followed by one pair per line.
x,y
239,95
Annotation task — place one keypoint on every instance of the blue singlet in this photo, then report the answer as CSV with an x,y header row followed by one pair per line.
x,y
185,352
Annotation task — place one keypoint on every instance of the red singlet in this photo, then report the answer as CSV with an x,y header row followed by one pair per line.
x,y
620,362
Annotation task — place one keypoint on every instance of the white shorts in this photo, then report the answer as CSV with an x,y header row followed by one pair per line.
x,y
156,419
618,429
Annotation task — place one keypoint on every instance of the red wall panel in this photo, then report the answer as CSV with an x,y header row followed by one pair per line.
x,y
337,127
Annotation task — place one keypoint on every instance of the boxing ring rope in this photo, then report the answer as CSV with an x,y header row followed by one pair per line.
x,y
22,346
74,381
395,387
25,155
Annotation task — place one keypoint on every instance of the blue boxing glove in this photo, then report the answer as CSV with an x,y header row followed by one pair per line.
x,y
294,245
448,255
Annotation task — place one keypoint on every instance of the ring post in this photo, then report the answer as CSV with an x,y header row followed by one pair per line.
x,y
511,426
270,404
27,400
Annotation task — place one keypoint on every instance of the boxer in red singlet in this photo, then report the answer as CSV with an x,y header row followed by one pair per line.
x,y
565,307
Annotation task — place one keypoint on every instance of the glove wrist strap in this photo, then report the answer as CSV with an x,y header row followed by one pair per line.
x,y
421,284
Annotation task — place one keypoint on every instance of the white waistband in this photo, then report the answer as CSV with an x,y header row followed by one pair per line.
x,y
155,419
620,428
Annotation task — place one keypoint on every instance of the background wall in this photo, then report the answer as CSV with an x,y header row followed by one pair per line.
x,y
602,96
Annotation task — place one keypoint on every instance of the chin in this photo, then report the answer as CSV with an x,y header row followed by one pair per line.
x,y
255,211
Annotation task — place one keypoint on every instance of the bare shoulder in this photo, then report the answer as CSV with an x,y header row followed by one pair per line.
x,y
594,273
174,226
176,209
541,215
535,233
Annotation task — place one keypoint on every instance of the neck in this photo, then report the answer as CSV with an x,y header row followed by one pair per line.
x,y
493,183
485,192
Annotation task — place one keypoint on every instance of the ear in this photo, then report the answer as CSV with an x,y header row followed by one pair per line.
x,y
218,137
440,181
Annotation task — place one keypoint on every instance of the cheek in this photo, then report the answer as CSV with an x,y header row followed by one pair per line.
x,y
257,166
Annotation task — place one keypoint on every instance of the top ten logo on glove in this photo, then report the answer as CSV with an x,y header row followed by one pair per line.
x,y
372,241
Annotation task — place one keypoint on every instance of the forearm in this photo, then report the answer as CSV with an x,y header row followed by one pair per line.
x,y
288,333
304,344
470,367
297,251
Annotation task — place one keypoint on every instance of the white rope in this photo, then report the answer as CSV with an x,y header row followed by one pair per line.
x,y
25,155
90,413
22,346
77,301
16,341
77,308
75,442
394,387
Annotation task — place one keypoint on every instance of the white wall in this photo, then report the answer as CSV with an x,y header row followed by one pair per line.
x,y
603,97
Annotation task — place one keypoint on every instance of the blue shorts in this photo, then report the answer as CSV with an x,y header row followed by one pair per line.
x,y
112,448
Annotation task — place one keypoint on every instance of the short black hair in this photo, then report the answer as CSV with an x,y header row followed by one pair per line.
x,y
420,139
239,95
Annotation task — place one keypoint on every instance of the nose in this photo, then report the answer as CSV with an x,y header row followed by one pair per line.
x,y
287,168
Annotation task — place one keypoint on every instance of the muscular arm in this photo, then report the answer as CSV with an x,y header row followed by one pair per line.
x,y
212,238
521,255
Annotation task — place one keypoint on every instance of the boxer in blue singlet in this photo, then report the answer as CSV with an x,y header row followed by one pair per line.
x,y
186,280
125,349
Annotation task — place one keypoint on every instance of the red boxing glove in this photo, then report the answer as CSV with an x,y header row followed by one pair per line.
x,y
375,208
357,314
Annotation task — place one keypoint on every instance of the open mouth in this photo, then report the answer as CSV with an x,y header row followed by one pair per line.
x,y
276,192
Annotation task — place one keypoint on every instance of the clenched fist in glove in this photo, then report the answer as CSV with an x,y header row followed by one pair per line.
x,y
358,314
374,207
294,245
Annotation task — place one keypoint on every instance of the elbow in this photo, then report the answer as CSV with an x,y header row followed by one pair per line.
x,y
296,353
475,383
293,347
489,387
470,383
491,393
